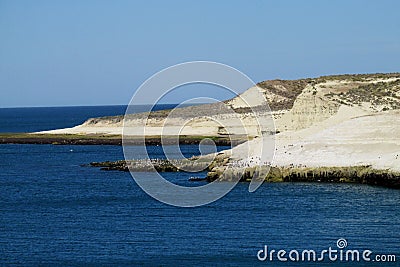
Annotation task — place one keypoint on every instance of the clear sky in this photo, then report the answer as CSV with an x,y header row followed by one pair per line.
x,y
57,53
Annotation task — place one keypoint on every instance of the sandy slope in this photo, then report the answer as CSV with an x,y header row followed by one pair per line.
x,y
367,140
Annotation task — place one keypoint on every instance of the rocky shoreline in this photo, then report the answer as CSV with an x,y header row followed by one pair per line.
x,y
355,174
75,139
217,170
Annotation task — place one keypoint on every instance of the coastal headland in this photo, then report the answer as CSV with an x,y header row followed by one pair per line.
x,y
338,128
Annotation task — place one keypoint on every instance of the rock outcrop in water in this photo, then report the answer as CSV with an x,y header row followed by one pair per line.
x,y
151,165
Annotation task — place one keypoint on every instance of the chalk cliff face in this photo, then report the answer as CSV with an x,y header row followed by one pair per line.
x,y
310,107
322,98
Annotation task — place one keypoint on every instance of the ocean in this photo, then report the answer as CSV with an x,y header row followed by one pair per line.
x,y
55,210
16,120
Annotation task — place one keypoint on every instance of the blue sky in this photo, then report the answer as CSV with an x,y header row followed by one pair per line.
x,y
57,53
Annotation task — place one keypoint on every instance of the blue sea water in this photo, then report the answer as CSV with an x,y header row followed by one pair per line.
x,y
54,211
15,120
